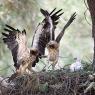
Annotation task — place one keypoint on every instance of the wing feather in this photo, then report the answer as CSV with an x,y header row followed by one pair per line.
x,y
16,42
42,34
65,27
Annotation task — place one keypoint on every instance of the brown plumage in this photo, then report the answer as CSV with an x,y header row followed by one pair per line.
x,y
53,53
24,58
53,45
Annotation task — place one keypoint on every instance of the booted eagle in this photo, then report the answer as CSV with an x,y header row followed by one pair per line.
x,y
53,45
24,58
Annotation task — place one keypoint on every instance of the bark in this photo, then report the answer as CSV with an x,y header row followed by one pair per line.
x,y
91,5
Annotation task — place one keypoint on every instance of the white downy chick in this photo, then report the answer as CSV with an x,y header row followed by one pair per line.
x,y
76,66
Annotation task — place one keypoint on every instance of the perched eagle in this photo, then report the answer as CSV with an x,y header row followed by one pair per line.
x,y
53,45
24,58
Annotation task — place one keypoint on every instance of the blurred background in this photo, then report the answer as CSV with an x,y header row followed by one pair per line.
x,y
25,14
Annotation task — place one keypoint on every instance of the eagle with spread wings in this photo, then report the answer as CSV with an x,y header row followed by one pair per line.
x,y
24,57
53,45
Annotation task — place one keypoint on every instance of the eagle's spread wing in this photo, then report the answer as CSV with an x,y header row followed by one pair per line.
x,y
65,27
42,34
16,42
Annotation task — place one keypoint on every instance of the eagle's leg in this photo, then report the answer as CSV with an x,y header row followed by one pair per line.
x,y
53,65
59,66
49,64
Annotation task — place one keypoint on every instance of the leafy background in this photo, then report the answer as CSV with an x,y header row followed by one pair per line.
x,y
25,14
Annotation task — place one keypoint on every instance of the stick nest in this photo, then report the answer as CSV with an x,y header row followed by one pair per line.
x,y
58,82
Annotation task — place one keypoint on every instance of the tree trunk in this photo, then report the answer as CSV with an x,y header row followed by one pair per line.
x,y
91,5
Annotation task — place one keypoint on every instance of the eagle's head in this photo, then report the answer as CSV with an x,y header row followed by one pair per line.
x,y
33,51
34,54
52,45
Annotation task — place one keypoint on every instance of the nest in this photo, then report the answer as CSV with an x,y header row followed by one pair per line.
x,y
58,82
